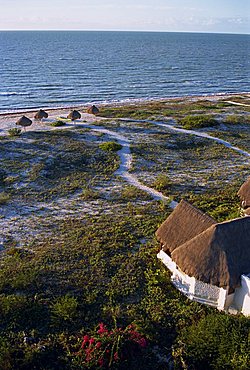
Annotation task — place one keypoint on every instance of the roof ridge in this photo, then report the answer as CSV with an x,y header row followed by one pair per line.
x,y
197,210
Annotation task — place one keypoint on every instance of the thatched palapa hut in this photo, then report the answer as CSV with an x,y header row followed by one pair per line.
x,y
41,114
24,122
74,115
93,110
209,261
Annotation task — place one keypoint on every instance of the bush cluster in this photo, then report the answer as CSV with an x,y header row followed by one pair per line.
x,y
110,146
198,121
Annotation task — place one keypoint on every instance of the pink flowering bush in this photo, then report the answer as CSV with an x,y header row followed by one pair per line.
x,y
109,348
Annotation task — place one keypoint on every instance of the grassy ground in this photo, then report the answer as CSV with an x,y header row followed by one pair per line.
x,y
79,243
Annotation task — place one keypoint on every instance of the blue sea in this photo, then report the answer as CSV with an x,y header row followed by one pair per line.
x,y
67,68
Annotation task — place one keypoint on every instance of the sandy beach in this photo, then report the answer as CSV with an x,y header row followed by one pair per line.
x,y
8,120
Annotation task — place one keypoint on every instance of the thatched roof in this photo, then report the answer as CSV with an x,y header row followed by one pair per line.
x,y
24,121
219,255
93,110
184,223
41,114
74,114
244,194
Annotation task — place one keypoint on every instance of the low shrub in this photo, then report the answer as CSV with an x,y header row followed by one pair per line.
x,y
198,121
4,198
89,194
214,342
162,182
58,123
235,119
130,192
14,132
110,146
63,310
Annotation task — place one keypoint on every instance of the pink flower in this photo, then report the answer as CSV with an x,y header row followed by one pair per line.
x,y
91,341
88,351
101,362
98,344
102,329
135,335
116,356
142,342
88,358
85,340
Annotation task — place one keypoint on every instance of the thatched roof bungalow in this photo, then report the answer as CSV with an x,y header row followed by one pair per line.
x,y
208,260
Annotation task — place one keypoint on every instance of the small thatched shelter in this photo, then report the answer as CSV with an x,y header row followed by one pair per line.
x,y
24,122
184,223
41,114
93,110
74,115
244,194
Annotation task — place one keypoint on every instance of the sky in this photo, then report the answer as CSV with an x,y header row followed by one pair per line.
x,y
226,16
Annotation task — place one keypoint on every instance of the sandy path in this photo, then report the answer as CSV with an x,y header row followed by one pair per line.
x,y
126,156
126,163
235,103
125,153
192,132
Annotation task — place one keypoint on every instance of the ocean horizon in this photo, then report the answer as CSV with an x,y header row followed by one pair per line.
x,y
69,68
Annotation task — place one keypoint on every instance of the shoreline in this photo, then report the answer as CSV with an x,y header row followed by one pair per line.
x,y
212,97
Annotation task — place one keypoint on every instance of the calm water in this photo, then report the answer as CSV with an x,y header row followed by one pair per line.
x,y
42,69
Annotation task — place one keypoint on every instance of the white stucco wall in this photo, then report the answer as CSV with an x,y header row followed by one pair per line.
x,y
229,300
192,288
242,296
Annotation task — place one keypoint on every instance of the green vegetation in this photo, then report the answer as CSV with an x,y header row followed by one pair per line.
x,y
162,182
58,123
177,108
219,338
51,298
56,163
221,204
235,119
198,121
88,291
88,194
110,146
14,132
4,198
130,192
